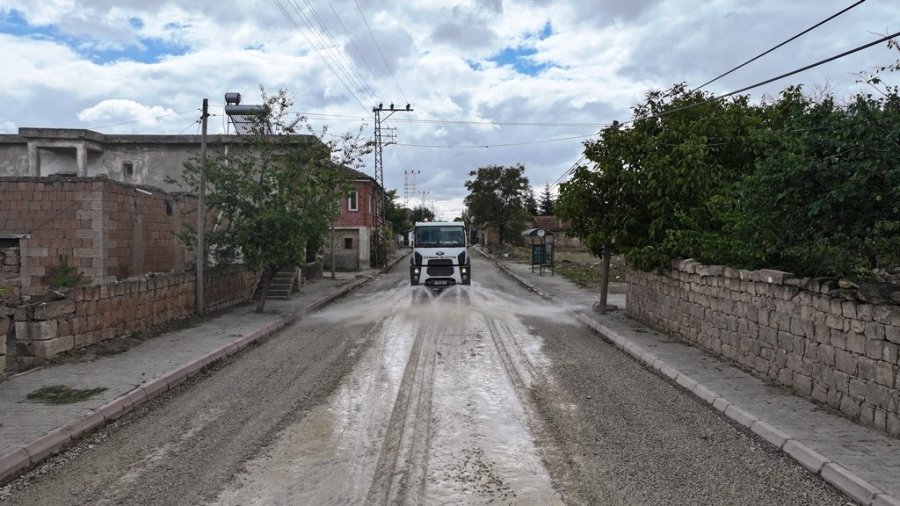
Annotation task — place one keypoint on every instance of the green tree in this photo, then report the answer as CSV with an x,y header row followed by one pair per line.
x,y
803,184
421,213
276,194
547,205
397,216
499,196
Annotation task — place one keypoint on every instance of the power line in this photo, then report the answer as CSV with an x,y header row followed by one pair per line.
x,y
360,53
386,64
746,88
804,32
338,74
459,122
488,146
341,58
167,115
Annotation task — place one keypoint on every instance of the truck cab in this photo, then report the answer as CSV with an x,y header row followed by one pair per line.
x,y
440,258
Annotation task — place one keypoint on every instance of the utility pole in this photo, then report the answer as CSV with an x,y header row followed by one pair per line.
x,y
201,209
408,187
378,208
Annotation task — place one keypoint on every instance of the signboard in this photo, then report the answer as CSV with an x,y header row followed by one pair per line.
x,y
537,254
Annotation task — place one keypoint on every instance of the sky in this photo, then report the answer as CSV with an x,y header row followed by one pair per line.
x,y
490,82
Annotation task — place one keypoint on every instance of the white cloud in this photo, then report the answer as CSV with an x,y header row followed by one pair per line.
x,y
602,57
117,111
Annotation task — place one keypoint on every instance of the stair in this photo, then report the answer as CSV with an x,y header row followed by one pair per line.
x,y
283,285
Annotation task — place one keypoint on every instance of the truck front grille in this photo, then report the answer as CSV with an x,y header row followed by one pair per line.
x,y
440,268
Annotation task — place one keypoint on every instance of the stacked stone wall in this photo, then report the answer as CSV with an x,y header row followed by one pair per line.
x,y
97,313
9,295
805,334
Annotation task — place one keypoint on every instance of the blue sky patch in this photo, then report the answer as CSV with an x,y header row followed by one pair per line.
x,y
545,32
520,58
144,50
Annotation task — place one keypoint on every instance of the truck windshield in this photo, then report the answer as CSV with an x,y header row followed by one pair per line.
x,y
435,237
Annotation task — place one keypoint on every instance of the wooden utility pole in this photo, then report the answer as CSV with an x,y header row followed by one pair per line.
x,y
201,209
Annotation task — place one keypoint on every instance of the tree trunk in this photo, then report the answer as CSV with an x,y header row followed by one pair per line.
x,y
604,290
266,280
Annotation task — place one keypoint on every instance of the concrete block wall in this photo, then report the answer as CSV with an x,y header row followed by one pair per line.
x,y
796,332
100,312
108,230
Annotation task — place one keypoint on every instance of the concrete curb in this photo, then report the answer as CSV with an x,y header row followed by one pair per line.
x,y
838,476
35,451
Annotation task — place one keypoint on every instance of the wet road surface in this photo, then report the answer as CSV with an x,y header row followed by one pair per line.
x,y
396,395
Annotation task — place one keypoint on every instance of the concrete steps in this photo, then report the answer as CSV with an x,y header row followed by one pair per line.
x,y
283,285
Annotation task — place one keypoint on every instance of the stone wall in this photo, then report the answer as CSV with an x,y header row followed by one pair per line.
x,y
97,313
9,292
807,334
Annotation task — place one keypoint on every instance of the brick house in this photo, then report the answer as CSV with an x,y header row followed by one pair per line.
x,y
48,159
353,230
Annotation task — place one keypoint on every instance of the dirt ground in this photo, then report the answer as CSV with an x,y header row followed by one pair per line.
x,y
576,265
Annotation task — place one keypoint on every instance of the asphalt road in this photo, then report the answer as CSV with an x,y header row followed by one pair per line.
x,y
478,395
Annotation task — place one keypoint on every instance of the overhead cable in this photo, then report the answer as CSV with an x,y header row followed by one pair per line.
x,y
337,74
378,47
804,32
746,88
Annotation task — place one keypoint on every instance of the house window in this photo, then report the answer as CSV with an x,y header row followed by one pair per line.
x,y
128,169
370,205
351,202
348,243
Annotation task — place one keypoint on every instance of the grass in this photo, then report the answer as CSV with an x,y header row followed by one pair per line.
x,y
578,266
62,394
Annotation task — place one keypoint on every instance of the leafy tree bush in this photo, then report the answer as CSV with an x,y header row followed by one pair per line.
x,y
500,196
808,186
277,194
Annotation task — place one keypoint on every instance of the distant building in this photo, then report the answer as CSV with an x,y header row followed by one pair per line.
x,y
150,161
130,159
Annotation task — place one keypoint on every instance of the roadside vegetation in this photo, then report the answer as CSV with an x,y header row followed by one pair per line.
x,y
274,201
806,184
577,265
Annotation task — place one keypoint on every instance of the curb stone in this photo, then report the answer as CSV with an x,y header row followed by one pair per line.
x,y
33,452
838,476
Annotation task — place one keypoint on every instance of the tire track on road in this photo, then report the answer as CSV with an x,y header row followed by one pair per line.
x,y
403,461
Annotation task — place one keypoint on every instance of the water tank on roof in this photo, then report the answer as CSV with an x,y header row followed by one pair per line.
x,y
233,98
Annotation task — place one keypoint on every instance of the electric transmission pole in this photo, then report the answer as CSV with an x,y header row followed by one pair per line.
x,y
408,187
378,208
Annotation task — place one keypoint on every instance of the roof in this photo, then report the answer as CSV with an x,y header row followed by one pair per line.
x,y
357,175
549,223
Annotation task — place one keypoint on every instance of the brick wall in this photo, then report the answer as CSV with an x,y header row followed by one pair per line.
x,y
97,313
362,217
799,332
108,230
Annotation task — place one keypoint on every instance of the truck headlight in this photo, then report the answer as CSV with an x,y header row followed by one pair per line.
x,y
416,271
464,270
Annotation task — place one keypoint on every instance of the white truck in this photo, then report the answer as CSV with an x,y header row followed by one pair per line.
x,y
440,258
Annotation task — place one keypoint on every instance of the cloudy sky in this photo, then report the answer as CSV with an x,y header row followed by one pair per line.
x,y
490,81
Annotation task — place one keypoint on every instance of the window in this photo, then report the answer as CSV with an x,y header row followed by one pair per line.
x,y
351,201
348,243
127,169
370,205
